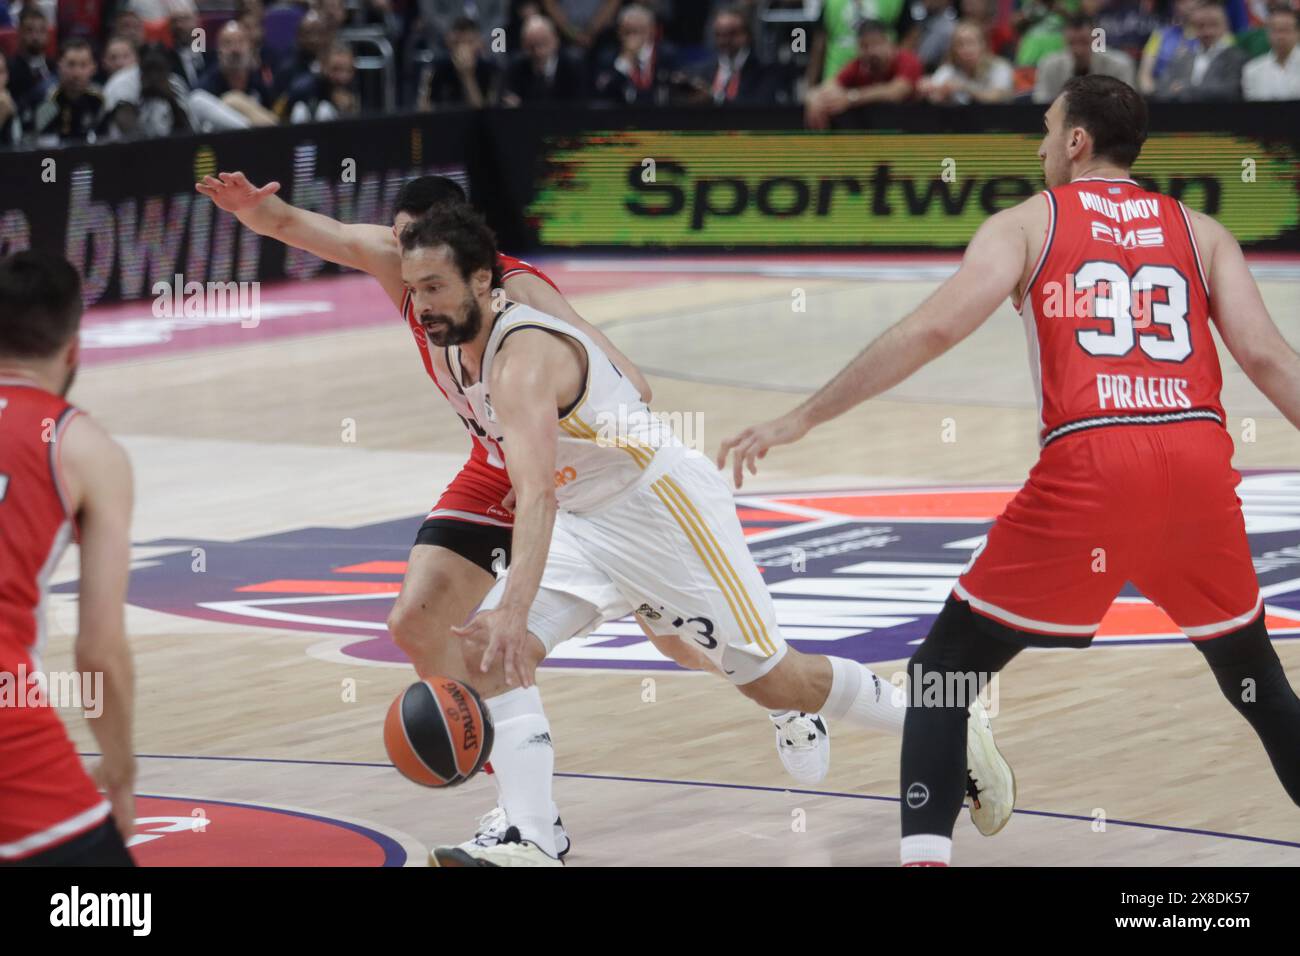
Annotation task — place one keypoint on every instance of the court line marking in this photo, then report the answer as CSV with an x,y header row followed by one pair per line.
x,y
758,788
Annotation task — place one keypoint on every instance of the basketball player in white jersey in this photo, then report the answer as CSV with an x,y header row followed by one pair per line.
x,y
609,522
450,568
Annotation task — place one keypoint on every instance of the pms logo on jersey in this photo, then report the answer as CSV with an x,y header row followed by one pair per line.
x,y
857,574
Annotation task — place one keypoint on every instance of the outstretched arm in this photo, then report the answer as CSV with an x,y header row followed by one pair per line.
x,y
371,249
1243,320
989,272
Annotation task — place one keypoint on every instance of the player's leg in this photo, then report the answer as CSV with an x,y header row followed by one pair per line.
x,y
442,587
523,755
1050,567
440,591
451,569
946,755
1203,576
803,743
1251,677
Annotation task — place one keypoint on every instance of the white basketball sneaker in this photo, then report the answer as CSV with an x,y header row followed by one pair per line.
x,y
804,745
510,851
492,827
990,784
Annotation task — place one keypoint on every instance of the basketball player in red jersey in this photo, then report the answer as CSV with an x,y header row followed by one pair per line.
x,y
1117,287
61,477
466,537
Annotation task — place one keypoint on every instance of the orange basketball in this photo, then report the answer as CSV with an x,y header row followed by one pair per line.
x,y
438,733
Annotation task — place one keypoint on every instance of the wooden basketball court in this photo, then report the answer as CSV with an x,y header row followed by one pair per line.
x,y
282,472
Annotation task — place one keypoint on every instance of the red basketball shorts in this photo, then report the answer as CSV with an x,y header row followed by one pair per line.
x,y
475,494
1153,505
46,796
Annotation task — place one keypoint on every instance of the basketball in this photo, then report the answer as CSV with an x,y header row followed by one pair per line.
x,y
438,733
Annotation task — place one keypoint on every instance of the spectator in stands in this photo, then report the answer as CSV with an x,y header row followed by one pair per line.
x,y
251,17
584,23
234,78
333,12
1164,44
835,44
543,72
1212,69
1126,24
440,18
11,126
313,40
1276,74
162,109
118,55
735,74
188,62
32,72
128,24
1042,31
999,35
971,74
331,95
71,111
1080,57
881,73
464,76
929,33
642,70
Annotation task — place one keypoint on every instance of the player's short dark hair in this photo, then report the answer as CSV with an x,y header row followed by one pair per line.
x,y
417,196
40,304
1287,11
31,13
76,43
1079,21
872,26
472,243
464,24
1112,112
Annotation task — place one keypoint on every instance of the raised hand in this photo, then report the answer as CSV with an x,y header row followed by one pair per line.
x,y
233,192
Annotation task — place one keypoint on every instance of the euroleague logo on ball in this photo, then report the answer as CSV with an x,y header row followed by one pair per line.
x,y
856,574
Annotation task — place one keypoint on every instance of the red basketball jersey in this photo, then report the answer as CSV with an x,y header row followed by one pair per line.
x,y
35,523
1117,313
46,797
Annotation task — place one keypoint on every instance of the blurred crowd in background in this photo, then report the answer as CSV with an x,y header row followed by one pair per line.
x,y
104,70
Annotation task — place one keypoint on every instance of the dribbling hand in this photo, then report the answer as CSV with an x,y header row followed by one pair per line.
x,y
502,633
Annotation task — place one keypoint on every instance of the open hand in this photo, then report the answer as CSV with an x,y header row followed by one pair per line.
x,y
233,192
754,442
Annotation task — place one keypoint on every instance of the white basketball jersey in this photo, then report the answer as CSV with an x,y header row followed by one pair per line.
x,y
607,439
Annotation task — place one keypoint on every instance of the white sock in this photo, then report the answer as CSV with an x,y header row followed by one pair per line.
x,y
926,849
555,810
860,696
524,759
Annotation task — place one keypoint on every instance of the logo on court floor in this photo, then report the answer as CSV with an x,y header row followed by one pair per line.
x,y
179,831
858,574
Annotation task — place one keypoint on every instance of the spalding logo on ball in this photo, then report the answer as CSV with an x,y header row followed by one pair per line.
x,y
438,733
